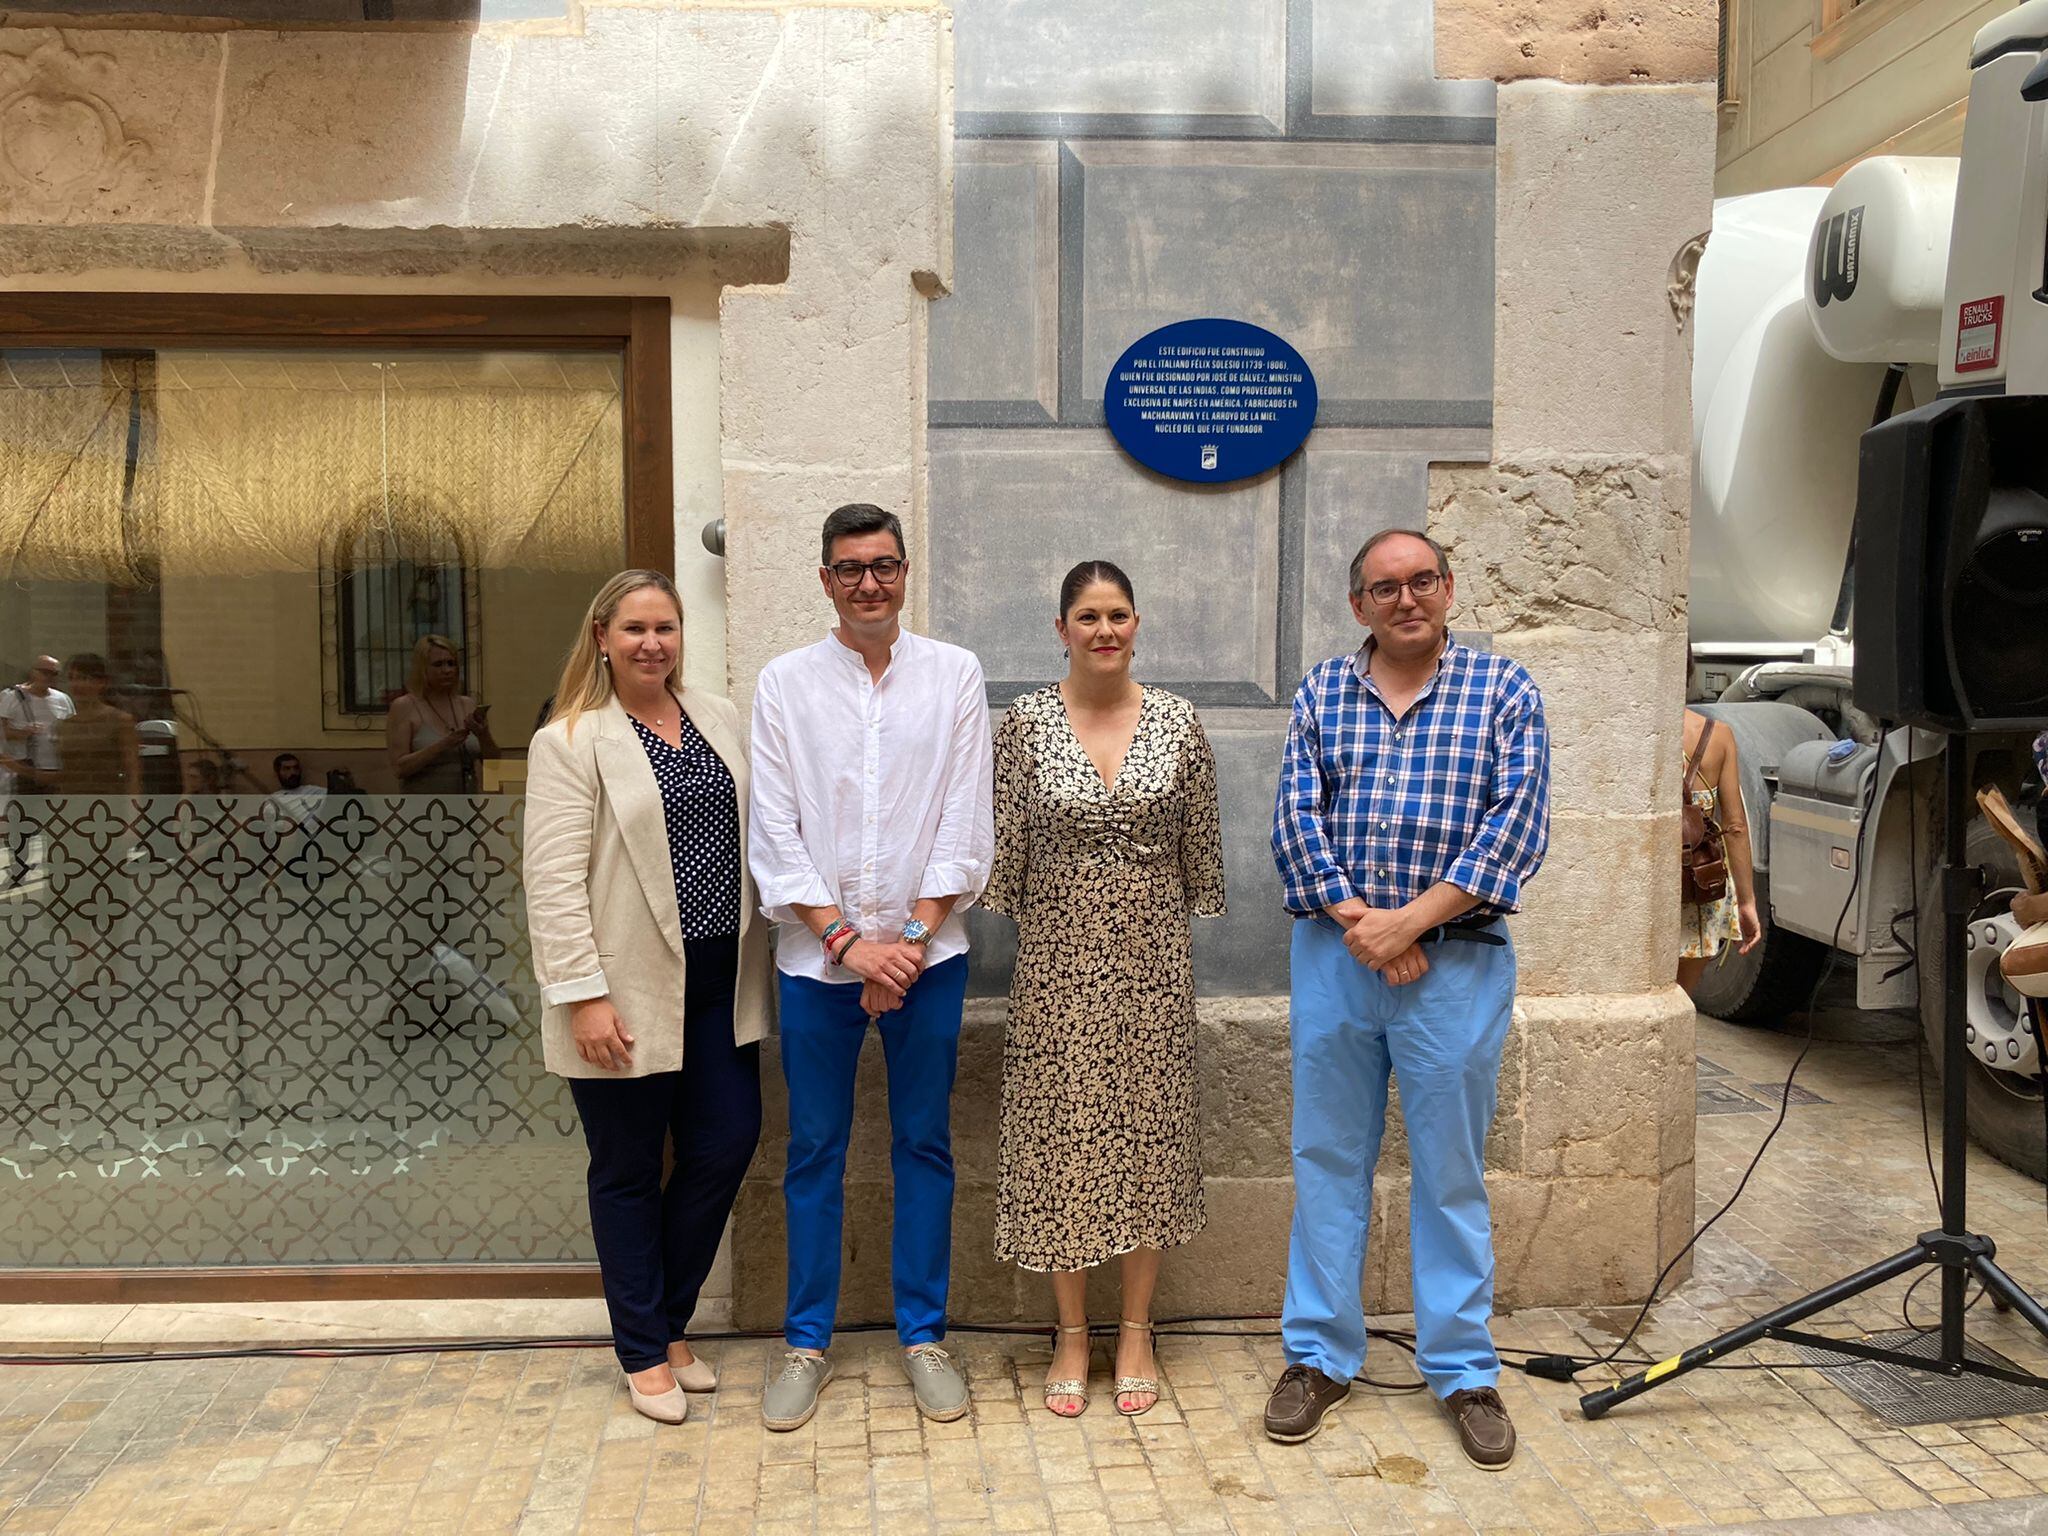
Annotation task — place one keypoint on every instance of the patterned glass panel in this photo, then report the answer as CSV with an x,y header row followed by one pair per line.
x,y
266,981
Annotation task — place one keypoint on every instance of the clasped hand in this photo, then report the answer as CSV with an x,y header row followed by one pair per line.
x,y
886,972
1383,940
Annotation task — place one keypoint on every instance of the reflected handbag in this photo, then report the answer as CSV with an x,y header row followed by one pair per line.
x,y
1703,857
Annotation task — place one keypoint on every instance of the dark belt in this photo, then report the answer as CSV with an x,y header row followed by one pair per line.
x,y
1461,930
1466,930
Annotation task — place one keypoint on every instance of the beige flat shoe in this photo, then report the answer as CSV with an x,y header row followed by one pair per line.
x,y
1068,1388
669,1407
1127,1386
697,1376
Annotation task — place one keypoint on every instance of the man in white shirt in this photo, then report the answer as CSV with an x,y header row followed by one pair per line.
x,y
296,803
29,715
872,831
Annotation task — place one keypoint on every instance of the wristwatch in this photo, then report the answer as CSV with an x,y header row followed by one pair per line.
x,y
915,932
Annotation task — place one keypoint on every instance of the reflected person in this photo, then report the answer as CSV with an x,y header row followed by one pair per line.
x,y
652,966
99,749
30,712
1107,840
434,733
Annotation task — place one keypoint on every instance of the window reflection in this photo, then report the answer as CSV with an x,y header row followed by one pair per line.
x,y
274,628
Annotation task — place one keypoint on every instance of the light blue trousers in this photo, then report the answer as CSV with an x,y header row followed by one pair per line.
x,y
1441,1039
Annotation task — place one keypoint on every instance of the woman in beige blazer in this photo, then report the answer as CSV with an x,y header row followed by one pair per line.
x,y
652,965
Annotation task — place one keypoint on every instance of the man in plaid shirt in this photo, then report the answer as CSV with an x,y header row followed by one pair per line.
x,y
1413,804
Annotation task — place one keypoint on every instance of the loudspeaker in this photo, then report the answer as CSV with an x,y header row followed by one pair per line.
x,y
1952,566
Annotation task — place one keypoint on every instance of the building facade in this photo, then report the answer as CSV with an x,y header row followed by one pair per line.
x,y
326,336
1809,87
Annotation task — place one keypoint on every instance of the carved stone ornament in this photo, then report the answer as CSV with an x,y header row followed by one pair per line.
x,y
60,139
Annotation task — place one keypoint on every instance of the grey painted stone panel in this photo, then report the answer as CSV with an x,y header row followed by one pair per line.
x,y
1014,510
1373,57
1244,953
1359,483
996,335
1375,261
1199,57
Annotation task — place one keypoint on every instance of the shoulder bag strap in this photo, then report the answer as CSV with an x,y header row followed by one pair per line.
x,y
1699,755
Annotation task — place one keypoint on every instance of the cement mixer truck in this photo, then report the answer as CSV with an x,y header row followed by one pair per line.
x,y
1818,312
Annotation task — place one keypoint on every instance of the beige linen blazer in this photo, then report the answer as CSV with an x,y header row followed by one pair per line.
x,y
601,894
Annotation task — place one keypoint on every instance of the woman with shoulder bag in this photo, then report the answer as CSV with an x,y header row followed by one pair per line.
x,y
653,974
1717,886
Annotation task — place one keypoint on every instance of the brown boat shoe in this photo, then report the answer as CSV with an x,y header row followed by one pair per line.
x,y
1301,1399
1484,1428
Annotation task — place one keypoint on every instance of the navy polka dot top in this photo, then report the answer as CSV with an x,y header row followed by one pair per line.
x,y
701,807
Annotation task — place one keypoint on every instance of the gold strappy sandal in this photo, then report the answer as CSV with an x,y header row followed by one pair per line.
x,y
1069,1388
1126,1385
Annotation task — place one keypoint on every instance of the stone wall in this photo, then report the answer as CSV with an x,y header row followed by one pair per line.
x,y
1479,281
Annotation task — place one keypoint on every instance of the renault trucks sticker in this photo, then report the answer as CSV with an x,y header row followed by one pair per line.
x,y
1978,324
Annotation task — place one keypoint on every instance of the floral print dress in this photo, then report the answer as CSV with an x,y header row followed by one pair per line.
x,y
1100,1142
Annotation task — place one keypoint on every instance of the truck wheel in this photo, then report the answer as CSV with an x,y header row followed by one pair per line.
x,y
2004,1108
1772,980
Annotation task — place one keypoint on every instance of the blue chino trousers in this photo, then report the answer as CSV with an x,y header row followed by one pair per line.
x,y
1441,1039
823,1028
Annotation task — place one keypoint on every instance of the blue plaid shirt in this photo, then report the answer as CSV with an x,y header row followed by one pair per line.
x,y
1383,809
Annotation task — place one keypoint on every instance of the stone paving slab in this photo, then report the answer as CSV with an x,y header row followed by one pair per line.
x,y
539,1441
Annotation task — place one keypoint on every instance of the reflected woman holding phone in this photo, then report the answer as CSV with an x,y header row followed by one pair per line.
x,y
434,733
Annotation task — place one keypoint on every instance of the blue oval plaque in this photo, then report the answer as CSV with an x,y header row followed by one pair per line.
x,y
1210,400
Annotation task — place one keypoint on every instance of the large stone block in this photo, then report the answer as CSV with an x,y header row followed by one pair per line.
x,y
995,337
397,156
1589,355
982,1287
106,127
1609,701
1601,1076
1602,914
1558,1242
1591,544
1374,260
1571,40
1372,57
1018,508
1200,58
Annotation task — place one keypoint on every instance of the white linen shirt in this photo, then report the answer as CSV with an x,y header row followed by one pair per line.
x,y
870,796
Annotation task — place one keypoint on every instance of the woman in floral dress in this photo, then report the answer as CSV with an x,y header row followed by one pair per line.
x,y
1107,841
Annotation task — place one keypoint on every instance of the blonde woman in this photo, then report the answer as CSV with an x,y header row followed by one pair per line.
x,y
653,971
435,734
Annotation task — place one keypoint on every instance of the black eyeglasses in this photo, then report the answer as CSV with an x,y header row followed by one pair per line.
x,y
849,573
1422,584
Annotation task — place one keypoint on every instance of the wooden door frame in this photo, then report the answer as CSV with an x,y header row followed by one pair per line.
x,y
638,328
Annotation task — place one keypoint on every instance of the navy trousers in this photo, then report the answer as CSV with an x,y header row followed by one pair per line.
x,y
654,1244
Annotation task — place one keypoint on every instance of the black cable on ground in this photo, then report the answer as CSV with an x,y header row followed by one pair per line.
x,y
1561,1367
1195,1327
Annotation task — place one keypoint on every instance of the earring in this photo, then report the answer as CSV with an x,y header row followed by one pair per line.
x,y
1067,652
607,655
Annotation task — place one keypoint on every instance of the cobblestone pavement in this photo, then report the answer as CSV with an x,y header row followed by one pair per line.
x,y
541,1441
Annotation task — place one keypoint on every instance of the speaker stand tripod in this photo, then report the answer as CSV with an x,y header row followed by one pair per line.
x,y
1960,1254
